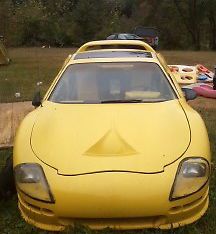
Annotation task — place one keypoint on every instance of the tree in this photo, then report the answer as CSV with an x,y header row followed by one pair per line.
x,y
211,16
90,18
192,13
181,23
5,6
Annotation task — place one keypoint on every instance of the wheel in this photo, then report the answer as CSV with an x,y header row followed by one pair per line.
x,y
7,184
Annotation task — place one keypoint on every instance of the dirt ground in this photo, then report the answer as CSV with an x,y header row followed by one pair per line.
x,y
11,114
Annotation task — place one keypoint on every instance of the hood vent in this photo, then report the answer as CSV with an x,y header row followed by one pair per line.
x,y
111,144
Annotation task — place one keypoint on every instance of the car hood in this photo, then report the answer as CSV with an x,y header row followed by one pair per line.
x,y
87,138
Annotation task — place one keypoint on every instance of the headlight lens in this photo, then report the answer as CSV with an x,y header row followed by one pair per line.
x,y
31,180
192,175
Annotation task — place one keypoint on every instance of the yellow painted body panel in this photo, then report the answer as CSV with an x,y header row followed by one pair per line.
x,y
106,142
112,165
116,200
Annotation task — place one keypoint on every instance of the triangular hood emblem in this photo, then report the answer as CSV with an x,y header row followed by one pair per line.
x,y
111,144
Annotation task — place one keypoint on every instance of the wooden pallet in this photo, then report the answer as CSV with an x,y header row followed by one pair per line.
x,y
11,114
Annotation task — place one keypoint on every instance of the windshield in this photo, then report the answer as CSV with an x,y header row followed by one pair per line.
x,y
132,36
128,36
112,82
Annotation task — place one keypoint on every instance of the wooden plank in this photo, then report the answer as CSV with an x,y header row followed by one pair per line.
x,y
11,114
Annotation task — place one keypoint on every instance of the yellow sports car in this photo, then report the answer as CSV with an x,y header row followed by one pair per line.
x,y
113,144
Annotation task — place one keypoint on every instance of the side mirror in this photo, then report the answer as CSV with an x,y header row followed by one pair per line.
x,y
190,94
36,102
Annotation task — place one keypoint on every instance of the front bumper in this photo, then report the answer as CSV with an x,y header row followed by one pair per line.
x,y
178,216
119,200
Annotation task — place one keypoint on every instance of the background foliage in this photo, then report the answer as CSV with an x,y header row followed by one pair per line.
x,y
182,24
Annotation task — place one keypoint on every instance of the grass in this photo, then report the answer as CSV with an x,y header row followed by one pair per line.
x,y
34,64
206,58
31,65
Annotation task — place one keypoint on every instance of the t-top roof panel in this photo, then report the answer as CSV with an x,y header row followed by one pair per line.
x,y
113,54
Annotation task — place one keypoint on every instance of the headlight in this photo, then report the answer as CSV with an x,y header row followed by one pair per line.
x,y
192,175
31,180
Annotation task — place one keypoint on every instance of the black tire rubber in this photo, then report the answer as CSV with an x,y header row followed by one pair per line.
x,y
7,184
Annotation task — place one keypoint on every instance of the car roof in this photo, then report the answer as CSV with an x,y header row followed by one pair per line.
x,y
114,50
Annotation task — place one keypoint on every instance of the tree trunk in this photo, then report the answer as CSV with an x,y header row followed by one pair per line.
x,y
191,21
212,22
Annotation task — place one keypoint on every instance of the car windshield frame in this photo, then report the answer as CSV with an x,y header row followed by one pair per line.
x,y
101,101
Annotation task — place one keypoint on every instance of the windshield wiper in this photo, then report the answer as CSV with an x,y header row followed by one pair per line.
x,y
122,101
134,101
71,102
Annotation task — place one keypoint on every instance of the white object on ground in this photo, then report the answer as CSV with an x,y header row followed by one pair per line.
x,y
17,95
39,83
185,74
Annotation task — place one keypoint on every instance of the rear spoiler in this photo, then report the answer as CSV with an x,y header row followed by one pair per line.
x,y
115,44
